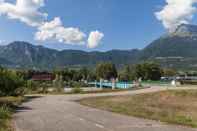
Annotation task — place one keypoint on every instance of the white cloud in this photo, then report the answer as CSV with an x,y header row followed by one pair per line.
x,y
176,12
3,42
55,31
94,39
26,11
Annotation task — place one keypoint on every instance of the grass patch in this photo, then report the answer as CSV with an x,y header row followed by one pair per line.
x,y
104,90
11,101
7,105
175,107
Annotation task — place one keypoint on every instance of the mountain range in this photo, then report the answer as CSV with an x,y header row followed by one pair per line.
x,y
176,49
25,55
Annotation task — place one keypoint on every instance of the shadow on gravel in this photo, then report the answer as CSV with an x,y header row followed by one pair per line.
x,y
30,98
22,109
26,99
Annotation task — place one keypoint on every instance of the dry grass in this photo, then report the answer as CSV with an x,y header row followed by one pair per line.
x,y
106,90
176,107
6,109
11,101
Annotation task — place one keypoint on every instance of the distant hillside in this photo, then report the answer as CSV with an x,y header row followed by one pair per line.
x,y
26,55
182,43
4,62
170,46
176,49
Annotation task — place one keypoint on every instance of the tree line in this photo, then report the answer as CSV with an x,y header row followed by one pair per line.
x,y
16,82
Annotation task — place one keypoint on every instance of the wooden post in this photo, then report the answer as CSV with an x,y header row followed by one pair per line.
x,y
95,85
101,83
113,84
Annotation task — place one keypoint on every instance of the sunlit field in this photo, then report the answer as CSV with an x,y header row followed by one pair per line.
x,y
175,107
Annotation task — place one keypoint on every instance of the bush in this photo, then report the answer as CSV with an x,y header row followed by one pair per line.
x,y
77,90
10,83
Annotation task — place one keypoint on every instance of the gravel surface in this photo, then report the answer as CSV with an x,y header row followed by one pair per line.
x,y
61,113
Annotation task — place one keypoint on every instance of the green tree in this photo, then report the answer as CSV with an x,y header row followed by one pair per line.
x,y
169,72
148,71
106,71
66,74
91,75
126,74
84,72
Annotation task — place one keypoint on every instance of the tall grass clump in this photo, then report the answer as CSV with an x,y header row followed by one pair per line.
x,y
5,115
77,89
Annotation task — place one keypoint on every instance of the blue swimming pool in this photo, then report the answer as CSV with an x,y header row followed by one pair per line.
x,y
126,85
119,85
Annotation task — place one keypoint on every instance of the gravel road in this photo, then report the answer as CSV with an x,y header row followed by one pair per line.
x,y
61,113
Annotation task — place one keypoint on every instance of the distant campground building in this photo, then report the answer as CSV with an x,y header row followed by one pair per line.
x,y
43,77
179,78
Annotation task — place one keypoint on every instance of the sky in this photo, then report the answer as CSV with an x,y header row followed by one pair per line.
x,y
92,24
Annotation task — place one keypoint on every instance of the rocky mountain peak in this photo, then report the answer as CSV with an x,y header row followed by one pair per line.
x,y
185,30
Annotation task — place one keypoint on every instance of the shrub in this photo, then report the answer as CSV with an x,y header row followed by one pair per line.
x,y
10,83
77,90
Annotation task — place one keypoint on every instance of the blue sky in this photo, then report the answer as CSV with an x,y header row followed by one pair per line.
x,y
125,24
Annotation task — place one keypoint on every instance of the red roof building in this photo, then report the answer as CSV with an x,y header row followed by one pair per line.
x,y
43,77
